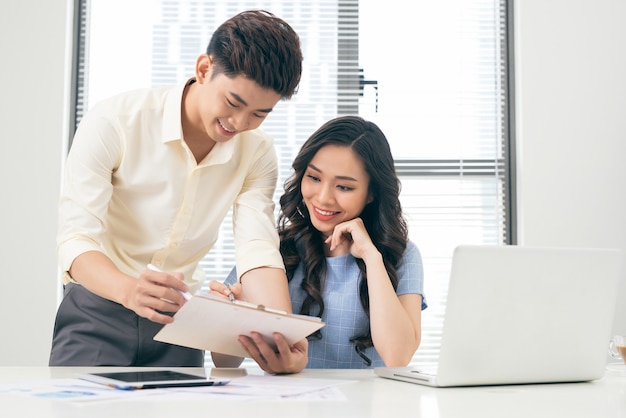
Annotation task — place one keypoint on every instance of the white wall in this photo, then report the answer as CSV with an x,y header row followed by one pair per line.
x,y
32,112
571,123
571,115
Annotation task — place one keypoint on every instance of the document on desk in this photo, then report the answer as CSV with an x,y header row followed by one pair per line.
x,y
248,388
211,323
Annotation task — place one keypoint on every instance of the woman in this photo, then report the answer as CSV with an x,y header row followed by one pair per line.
x,y
344,242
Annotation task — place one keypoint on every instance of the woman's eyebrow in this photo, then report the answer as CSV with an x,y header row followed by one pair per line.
x,y
348,178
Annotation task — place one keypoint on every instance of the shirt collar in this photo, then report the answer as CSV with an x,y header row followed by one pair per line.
x,y
172,123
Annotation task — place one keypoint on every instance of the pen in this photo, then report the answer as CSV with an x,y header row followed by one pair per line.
x,y
152,267
231,297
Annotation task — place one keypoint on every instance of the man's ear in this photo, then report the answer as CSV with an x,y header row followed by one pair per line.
x,y
204,65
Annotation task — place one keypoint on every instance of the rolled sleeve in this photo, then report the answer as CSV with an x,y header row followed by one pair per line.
x,y
87,188
256,238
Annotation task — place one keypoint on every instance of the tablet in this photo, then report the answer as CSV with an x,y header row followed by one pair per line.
x,y
150,379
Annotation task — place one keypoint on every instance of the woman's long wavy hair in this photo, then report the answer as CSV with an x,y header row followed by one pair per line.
x,y
300,242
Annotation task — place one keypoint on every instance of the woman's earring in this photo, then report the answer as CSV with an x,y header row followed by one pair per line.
x,y
299,211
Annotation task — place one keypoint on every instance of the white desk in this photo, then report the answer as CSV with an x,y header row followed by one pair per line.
x,y
369,396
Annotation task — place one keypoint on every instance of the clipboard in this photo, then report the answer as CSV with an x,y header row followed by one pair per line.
x,y
211,323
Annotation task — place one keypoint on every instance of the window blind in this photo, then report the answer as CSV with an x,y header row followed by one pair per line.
x,y
435,83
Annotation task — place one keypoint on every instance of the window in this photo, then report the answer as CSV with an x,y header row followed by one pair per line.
x,y
436,83
435,80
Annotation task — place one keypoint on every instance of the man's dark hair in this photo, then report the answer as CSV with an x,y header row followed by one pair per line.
x,y
261,47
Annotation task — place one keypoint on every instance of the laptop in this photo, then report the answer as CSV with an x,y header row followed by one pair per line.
x,y
522,315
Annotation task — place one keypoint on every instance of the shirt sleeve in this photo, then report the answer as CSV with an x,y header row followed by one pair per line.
x,y
232,277
411,273
256,237
87,188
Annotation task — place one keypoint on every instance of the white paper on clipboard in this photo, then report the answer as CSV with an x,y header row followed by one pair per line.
x,y
212,323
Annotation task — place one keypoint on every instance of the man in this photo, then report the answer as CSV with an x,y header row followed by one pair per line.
x,y
149,178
